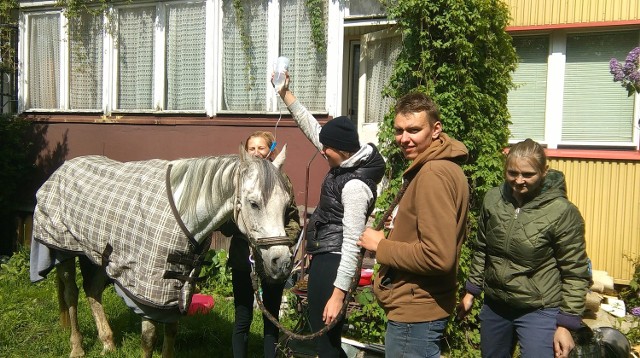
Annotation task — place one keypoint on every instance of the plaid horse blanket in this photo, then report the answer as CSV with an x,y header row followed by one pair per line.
x,y
117,214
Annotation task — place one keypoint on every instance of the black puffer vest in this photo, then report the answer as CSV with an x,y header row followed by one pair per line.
x,y
324,232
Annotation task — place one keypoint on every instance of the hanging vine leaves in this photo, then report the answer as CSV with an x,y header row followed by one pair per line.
x,y
317,19
242,25
8,33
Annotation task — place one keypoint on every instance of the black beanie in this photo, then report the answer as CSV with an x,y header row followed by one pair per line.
x,y
340,133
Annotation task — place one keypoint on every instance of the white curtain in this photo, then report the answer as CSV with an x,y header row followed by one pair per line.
x,y
136,34
86,62
185,56
381,51
243,87
44,61
307,67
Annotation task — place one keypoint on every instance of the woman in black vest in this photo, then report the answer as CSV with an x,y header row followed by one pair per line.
x,y
347,199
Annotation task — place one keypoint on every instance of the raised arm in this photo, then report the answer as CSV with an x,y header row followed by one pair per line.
x,y
305,120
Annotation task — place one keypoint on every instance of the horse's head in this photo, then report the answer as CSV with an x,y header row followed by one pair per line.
x,y
262,199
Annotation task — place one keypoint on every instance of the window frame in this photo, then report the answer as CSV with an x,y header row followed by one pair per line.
x,y
556,67
213,53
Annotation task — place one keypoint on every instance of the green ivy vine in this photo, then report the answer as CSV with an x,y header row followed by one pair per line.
x,y
317,20
8,33
242,25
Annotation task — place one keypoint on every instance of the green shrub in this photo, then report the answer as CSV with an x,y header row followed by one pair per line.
x,y
368,322
217,275
631,294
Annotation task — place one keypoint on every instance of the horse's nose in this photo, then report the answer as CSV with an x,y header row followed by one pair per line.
x,y
282,263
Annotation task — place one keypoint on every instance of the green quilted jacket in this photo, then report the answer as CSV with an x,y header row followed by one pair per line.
x,y
532,256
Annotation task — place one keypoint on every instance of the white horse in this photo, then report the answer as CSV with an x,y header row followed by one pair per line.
x,y
146,226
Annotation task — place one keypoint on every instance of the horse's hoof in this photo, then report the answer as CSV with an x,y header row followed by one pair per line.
x,y
76,353
107,348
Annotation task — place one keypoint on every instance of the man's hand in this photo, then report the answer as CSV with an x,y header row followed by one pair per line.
x,y
562,342
370,239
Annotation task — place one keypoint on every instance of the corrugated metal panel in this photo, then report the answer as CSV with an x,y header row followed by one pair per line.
x,y
608,196
554,12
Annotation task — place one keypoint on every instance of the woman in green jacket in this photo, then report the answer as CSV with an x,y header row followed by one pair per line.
x,y
529,260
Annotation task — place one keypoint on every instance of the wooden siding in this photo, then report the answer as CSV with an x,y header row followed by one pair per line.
x,y
555,12
608,196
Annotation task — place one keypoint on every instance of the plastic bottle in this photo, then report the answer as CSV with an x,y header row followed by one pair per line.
x,y
280,67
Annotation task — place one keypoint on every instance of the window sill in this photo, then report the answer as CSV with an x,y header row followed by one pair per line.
x,y
629,155
242,120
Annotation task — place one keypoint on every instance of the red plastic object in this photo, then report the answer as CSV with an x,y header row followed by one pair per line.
x,y
365,277
200,304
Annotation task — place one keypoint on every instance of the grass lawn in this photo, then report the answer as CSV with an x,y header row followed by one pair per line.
x,y
29,323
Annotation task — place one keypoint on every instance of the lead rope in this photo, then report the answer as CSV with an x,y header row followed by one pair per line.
x,y
347,298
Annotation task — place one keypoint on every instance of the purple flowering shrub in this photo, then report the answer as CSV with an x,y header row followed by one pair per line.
x,y
627,73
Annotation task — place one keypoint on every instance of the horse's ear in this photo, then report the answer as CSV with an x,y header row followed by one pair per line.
x,y
281,157
243,153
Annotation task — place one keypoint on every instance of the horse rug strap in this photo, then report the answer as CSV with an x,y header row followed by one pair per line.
x,y
92,203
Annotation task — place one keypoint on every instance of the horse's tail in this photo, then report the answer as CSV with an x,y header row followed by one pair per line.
x,y
65,319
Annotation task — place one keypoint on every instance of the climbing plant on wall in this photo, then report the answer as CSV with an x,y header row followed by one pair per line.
x,y
8,31
316,11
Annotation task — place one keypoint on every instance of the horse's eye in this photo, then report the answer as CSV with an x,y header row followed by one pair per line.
x,y
254,205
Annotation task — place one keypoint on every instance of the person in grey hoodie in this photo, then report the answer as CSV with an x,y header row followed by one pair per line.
x,y
347,198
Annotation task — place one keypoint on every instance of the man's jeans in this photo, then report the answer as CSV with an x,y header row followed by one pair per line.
x,y
413,340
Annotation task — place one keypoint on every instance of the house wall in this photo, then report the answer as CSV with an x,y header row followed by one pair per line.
x,y
602,184
553,12
173,138
608,195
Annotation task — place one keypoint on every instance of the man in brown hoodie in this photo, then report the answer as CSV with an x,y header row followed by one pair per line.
x,y
416,283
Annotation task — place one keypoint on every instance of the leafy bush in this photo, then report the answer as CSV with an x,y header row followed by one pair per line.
x,y
218,275
17,267
368,322
631,294
631,297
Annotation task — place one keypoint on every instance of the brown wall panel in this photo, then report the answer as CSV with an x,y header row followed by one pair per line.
x,y
127,142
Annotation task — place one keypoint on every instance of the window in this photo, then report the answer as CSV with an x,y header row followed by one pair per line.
x,y
247,74
43,76
366,8
135,46
245,70
307,68
379,53
527,102
596,109
185,48
169,56
86,63
565,95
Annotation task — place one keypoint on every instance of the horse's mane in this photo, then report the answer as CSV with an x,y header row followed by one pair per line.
x,y
215,177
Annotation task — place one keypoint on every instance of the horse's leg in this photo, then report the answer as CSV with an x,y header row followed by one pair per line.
x,y
68,299
168,346
94,280
148,337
